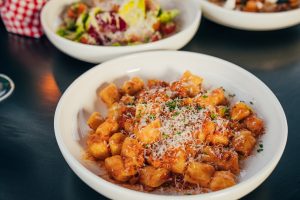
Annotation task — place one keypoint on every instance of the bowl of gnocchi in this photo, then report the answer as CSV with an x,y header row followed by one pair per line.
x,y
199,127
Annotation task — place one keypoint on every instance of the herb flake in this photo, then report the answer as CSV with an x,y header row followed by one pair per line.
x,y
231,95
172,105
213,116
198,107
152,117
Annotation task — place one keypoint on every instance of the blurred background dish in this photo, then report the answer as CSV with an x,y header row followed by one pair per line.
x,y
7,86
188,22
245,20
258,6
117,23
70,128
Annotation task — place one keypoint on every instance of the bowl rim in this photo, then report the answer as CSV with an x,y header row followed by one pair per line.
x,y
49,31
252,182
12,87
249,14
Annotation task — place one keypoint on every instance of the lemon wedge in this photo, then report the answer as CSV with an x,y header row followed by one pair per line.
x,y
133,11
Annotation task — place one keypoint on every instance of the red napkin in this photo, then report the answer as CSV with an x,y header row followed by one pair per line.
x,y
22,16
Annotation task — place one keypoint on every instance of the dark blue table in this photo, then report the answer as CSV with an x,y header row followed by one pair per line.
x,y
31,165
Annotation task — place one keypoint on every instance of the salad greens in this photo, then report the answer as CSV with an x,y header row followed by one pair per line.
x,y
117,22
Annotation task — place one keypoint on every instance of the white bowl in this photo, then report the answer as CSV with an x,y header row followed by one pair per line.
x,y
80,100
247,20
189,20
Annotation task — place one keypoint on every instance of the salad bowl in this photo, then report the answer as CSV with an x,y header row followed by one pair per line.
x,y
188,22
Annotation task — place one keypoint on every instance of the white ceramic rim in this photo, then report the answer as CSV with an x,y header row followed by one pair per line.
x,y
262,174
144,46
250,14
12,85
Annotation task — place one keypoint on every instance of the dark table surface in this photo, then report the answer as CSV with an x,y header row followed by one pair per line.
x,y
31,165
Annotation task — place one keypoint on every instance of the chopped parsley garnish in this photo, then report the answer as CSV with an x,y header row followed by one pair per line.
x,y
178,133
139,115
231,95
198,107
152,117
204,96
261,148
225,110
165,135
189,107
176,113
213,116
172,105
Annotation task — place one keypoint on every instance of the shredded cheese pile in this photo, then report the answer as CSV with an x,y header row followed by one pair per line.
x,y
178,121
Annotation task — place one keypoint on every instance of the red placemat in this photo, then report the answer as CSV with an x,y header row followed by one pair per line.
x,y
22,16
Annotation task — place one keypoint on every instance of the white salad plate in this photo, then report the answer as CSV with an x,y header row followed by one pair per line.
x,y
80,100
247,20
188,20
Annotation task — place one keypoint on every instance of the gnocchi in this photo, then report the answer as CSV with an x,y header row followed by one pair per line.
x,y
222,180
175,135
95,120
110,94
153,177
199,173
116,142
116,168
99,150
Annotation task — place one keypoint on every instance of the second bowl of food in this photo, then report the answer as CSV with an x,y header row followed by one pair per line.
x,y
255,15
170,125
95,31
